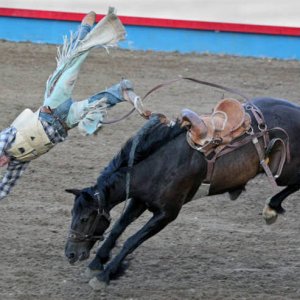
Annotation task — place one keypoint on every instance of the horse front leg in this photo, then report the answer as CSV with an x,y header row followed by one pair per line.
x,y
273,205
133,210
158,221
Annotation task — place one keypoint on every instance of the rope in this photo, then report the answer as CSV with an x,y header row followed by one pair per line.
x,y
211,84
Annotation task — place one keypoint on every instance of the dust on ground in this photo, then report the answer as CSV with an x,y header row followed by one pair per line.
x,y
215,249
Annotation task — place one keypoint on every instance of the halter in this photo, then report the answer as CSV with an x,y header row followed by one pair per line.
x,y
76,236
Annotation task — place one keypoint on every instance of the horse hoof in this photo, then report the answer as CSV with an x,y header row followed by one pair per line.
x,y
270,215
89,274
97,285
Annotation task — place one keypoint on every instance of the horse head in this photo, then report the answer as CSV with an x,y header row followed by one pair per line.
x,y
89,221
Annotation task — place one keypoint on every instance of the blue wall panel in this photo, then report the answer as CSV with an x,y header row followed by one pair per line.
x,y
161,39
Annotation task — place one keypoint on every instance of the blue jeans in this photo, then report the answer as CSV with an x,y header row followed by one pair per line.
x,y
61,83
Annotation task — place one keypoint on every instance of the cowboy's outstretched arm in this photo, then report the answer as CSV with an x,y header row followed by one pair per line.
x,y
124,91
14,171
89,114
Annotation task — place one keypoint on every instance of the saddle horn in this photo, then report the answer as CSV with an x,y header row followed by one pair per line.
x,y
198,128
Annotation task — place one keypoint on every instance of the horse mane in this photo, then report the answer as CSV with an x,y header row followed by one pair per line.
x,y
152,136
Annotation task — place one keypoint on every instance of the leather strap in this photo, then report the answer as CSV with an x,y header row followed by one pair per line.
x,y
211,84
46,109
263,162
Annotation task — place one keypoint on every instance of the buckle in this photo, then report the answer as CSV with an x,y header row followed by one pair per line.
x,y
46,109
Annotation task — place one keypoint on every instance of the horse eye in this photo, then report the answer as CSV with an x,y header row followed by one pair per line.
x,y
83,220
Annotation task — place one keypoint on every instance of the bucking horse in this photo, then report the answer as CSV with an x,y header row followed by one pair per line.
x,y
165,163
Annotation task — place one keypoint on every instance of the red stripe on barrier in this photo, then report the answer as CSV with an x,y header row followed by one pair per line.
x,y
155,22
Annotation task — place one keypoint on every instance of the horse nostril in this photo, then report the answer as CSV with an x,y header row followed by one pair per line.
x,y
71,255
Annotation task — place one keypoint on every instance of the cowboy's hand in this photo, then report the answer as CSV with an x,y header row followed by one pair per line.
x,y
4,160
135,100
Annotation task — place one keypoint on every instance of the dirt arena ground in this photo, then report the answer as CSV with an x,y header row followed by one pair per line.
x,y
215,249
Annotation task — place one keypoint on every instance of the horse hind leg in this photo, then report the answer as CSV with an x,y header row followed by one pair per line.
x,y
234,194
273,205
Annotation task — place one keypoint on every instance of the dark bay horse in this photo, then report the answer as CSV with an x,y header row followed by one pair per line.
x,y
165,174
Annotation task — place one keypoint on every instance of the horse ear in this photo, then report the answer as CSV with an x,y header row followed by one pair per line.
x,y
75,192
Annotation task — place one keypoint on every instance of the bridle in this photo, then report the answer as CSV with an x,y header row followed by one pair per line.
x,y
76,236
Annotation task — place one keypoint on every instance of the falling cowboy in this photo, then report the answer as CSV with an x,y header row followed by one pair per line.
x,y
35,133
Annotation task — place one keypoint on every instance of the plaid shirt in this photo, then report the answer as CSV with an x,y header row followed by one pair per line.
x,y
16,168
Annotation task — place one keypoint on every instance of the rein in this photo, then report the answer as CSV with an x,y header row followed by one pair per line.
x,y
77,236
145,115
211,84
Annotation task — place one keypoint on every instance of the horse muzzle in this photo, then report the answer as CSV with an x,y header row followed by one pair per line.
x,y
77,252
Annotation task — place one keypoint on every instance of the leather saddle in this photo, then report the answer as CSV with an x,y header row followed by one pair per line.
x,y
214,131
